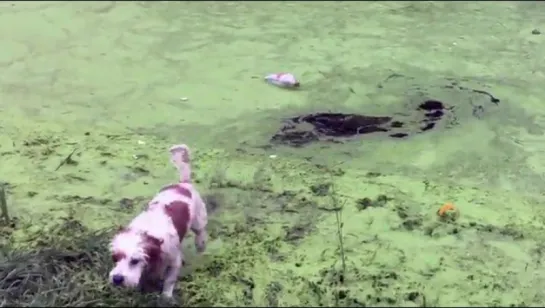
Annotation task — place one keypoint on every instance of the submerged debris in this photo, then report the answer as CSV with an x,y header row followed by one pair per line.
x,y
422,108
304,129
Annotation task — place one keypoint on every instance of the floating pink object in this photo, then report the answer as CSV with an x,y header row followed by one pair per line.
x,y
283,80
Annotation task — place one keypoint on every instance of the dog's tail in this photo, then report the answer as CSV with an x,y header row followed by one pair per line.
x,y
179,156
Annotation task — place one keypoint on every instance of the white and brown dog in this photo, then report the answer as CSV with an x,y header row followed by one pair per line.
x,y
149,248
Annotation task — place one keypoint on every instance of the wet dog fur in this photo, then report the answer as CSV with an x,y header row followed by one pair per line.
x,y
149,250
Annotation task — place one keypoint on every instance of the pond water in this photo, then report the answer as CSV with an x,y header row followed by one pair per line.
x,y
94,93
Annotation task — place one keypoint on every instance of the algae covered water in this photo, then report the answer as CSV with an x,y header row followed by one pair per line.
x,y
327,195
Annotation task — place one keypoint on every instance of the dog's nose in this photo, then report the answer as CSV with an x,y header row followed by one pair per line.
x,y
118,280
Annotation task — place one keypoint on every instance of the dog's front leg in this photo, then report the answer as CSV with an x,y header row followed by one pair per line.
x,y
171,276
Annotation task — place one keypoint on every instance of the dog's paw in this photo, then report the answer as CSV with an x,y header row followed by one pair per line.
x,y
200,245
151,285
165,301
167,294
201,248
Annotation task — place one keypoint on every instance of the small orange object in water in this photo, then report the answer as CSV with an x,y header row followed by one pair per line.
x,y
447,208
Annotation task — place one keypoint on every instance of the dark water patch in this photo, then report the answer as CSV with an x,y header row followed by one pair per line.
x,y
422,108
300,130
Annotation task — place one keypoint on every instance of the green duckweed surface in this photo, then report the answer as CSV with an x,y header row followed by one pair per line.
x,y
94,93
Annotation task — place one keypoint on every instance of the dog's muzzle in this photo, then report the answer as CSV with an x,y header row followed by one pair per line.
x,y
117,280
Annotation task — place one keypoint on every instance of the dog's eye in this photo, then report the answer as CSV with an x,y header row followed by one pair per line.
x,y
134,262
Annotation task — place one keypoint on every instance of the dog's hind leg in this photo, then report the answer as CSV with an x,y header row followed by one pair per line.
x,y
171,276
200,239
198,226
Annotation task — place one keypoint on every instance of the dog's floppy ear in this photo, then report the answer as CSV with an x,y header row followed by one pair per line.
x,y
152,246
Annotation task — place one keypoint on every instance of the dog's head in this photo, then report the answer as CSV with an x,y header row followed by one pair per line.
x,y
133,254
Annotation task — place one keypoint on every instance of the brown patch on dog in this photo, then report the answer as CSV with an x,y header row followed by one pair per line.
x,y
178,189
179,213
118,256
